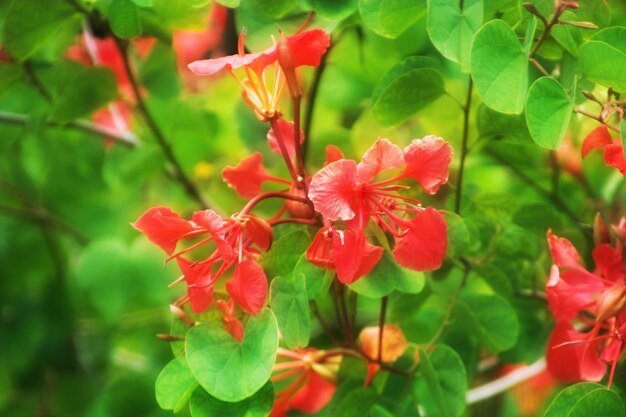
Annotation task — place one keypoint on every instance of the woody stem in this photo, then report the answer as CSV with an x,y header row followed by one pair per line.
x,y
296,141
283,149
257,199
381,326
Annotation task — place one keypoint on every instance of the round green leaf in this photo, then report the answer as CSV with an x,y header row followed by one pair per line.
x,y
282,258
290,304
386,276
228,370
451,28
85,92
405,89
492,319
499,67
443,388
334,9
175,384
202,404
548,112
603,58
275,8
124,19
315,277
29,24
586,399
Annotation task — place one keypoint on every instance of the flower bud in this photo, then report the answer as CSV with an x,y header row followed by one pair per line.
x,y
600,231
285,59
296,208
611,303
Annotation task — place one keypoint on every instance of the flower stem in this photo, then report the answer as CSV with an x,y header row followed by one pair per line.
x,y
272,194
381,326
189,187
283,149
464,149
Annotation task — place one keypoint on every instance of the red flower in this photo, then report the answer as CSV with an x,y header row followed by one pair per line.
x,y
344,190
595,300
613,150
311,375
260,91
233,239
247,176
394,345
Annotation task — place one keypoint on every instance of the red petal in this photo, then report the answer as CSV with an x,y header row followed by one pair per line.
x,y
423,247
209,220
257,61
308,47
574,362
332,190
313,396
597,138
382,155
231,324
248,287
564,254
609,262
428,160
163,227
319,251
353,256
571,291
287,131
333,154
614,156
259,231
246,177
199,283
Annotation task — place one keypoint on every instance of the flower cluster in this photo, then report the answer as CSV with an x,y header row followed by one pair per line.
x,y
344,191
588,308
355,207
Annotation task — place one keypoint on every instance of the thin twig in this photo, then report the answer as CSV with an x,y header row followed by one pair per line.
x,y
322,322
464,150
188,185
451,306
127,139
381,326
596,118
310,106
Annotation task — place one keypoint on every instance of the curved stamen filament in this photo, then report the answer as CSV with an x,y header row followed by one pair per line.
x,y
287,374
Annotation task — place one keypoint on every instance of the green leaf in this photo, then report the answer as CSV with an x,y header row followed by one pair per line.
x,y
499,67
202,404
491,318
357,403
143,3
548,112
405,89
386,276
334,9
496,278
586,399
275,8
29,24
443,388
83,93
124,18
537,217
396,16
452,28
459,239
229,3
282,258
500,126
603,58
290,304
175,384
314,277
228,370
